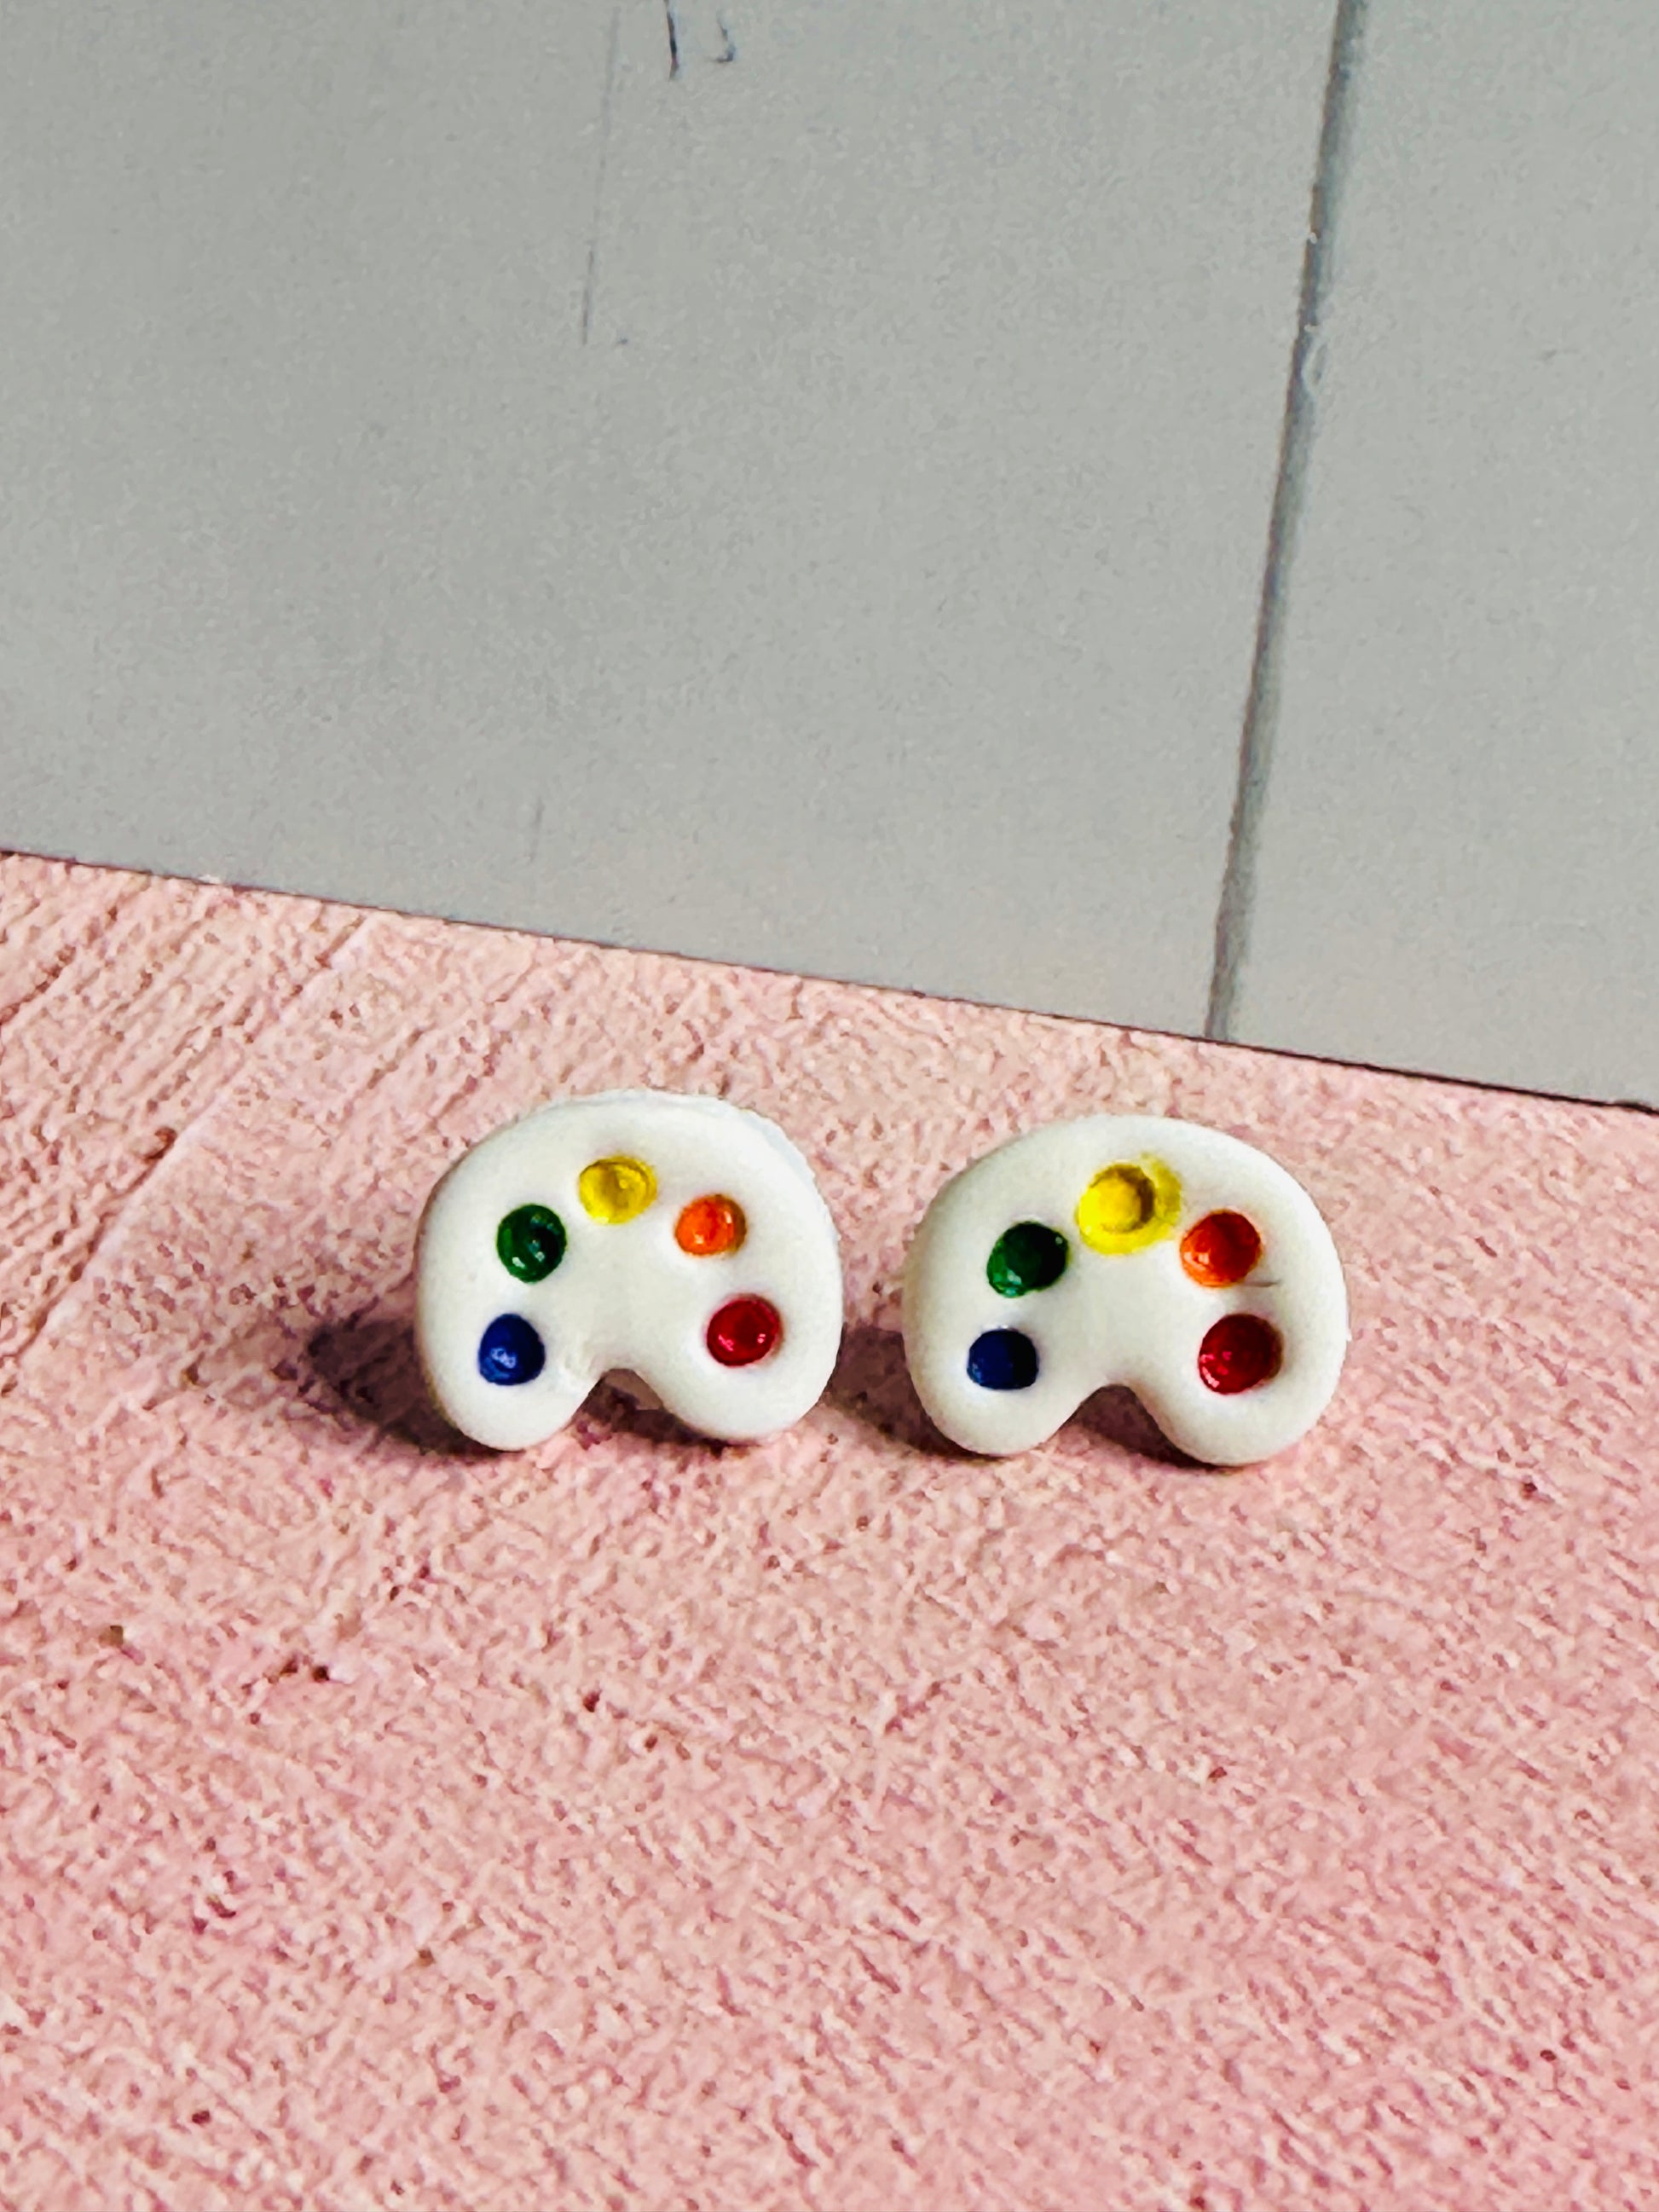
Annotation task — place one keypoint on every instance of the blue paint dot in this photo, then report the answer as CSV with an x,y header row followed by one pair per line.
x,y
1002,1359
510,1351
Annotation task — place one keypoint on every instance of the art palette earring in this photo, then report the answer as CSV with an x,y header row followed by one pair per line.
x,y
675,1239
1125,1250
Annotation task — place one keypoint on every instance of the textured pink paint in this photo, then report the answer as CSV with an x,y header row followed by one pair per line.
x,y
837,1822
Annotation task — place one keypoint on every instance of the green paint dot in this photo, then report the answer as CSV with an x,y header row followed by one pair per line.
x,y
1027,1257
530,1243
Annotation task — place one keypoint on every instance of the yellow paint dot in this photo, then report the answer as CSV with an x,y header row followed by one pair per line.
x,y
616,1190
1129,1204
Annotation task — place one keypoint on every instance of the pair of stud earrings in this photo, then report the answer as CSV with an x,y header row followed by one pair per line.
x,y
682,1246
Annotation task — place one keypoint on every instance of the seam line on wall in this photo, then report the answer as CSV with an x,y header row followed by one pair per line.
x,y
1235,907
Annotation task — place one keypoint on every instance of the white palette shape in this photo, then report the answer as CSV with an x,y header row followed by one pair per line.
x,y
637,1233
1138,1250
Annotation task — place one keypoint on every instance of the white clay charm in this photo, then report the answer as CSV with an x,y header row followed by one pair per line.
x,y
1125,1250
675,1239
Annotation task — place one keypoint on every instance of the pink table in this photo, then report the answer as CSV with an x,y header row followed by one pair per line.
x,y
833,1823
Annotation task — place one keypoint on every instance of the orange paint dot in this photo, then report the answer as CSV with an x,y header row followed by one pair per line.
x,y
1221,1249
710,1226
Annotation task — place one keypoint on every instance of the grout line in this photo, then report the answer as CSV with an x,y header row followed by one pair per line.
x,y
1256,744
599,180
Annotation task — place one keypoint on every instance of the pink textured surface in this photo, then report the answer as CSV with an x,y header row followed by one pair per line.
x,y
833,1823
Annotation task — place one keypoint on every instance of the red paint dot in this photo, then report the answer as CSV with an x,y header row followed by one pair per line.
x,y
1241,1350
1220,1250
743,1331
